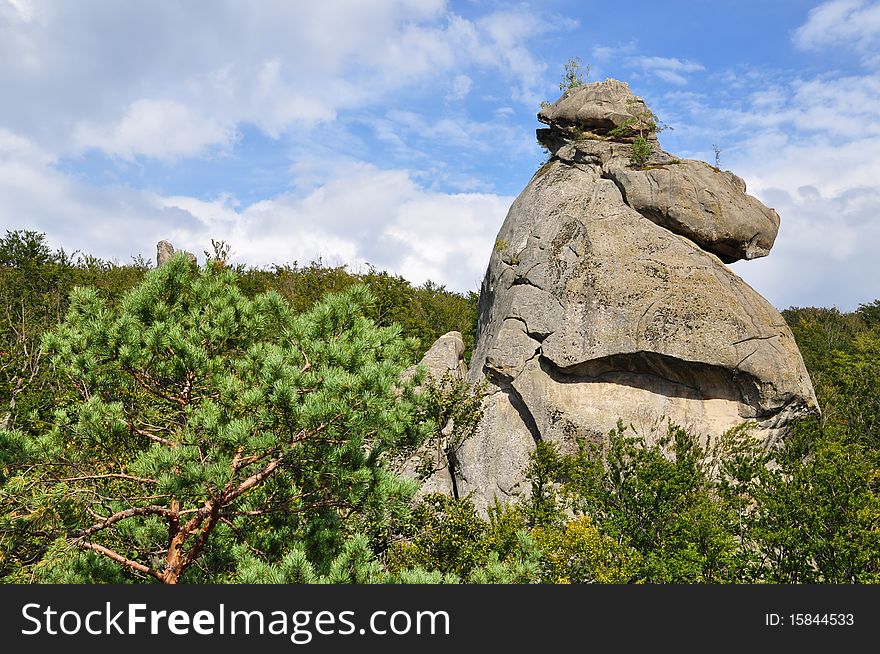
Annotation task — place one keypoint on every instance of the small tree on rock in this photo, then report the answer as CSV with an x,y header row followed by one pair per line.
x,y
575,74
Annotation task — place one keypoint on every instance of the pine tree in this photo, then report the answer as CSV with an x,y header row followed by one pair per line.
x,y
201,427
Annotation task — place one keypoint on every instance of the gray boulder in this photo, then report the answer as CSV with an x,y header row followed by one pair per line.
x,y
446,355
164,251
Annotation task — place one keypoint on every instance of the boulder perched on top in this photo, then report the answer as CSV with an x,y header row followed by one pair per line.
x,y
599,108
605,300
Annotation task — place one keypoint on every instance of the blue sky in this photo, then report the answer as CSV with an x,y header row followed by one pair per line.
x,y
398,132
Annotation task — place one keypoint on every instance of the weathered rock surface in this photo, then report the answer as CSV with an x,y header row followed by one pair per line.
x,y
693,199
164,251
590,313
604,299
688,197
445,356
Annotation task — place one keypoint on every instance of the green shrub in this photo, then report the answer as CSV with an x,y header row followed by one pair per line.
x,y
639,152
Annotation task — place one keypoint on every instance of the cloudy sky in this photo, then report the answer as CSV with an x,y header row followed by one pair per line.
x,y
398,132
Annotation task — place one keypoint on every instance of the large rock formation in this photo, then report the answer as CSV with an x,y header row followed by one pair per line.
x,y
605,298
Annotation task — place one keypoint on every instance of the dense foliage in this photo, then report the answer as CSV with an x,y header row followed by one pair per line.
x,y
225,424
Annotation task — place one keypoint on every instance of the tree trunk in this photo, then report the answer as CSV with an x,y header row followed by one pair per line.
x,y
174,560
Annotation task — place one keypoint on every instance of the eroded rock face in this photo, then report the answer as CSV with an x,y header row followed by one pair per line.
x,y
605,299
688,197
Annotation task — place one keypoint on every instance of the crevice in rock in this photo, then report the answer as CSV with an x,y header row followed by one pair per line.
x,y
743,360
516,400
679,378
522,280
756,338
539,337
620,187
452,462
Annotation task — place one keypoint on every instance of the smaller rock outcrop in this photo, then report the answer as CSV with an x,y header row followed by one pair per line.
x,y
164,252
445,356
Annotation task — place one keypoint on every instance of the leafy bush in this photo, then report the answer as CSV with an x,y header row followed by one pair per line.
x,y
579,553
443,534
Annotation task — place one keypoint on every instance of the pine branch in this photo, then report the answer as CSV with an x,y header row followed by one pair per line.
x,y
142,380
112,475
152,437
122,515
128,563
253,480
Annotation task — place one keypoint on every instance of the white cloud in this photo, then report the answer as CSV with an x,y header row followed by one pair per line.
x,y
25,9
361,215
460,132
162,129
603,53
461,86
89,74
112,222
508,32
15,148
847,23
356,214
669,69
811,149
826,249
